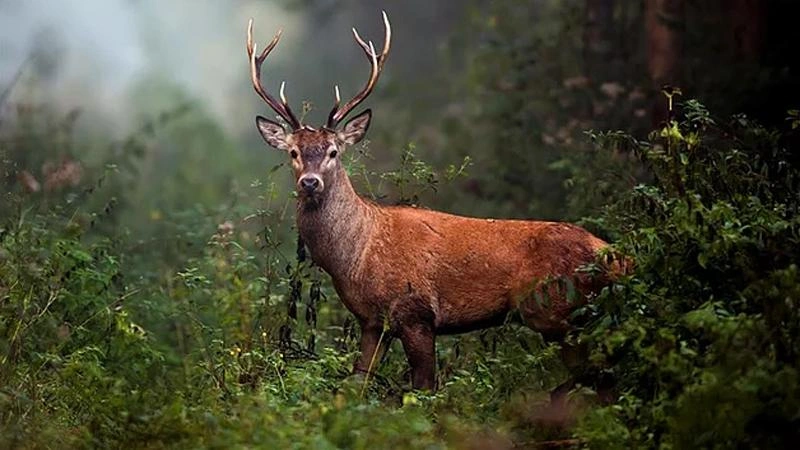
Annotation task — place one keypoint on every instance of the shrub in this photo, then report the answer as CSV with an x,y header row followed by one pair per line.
x,y
702,335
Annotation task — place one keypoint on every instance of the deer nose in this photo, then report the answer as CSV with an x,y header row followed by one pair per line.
x,y
310,183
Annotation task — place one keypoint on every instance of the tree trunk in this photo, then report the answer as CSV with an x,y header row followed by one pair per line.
x,y
664,25
598,44
747,28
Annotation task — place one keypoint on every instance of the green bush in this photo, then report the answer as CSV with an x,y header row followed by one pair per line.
x,y
701,336
209,327
74,365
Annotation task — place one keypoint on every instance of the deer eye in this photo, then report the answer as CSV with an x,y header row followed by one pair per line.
x,y
333,154
293,154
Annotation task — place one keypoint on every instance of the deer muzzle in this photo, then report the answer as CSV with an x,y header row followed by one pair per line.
x,y
310,184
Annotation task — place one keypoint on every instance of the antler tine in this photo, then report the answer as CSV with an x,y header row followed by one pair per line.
x,y
283,95
360,41
256,61
376,62
387,41
331,124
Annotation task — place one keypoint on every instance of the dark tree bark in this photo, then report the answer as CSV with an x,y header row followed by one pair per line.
x,y
664,23
747,28
598,43
664,26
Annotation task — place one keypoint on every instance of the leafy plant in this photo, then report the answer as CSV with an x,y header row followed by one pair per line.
x,y
701,335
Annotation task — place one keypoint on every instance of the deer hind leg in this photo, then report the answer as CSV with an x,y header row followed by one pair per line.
x,y
571,357
576,359
419,343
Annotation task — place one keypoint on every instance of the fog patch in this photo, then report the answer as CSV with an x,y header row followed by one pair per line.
x,y
94,54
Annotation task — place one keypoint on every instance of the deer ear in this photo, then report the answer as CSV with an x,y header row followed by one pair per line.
x,y
272,132
355,128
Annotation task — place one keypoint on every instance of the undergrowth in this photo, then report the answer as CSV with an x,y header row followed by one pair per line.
x,y
214,330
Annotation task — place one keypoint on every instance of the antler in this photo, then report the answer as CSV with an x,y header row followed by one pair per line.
x,y
256,61
376,61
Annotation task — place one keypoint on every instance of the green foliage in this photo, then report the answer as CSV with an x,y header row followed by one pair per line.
x,y
701,336
73,360
227,336
529,95
149,298
410,182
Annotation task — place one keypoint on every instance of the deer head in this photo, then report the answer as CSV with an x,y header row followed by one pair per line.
x,y
314,152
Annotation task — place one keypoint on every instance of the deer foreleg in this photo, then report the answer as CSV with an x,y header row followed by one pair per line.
x,y
373,345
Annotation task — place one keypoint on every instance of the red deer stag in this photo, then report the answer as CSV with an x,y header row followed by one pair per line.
x,y
424,272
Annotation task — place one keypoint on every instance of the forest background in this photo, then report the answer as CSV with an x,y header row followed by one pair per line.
x,y
152,293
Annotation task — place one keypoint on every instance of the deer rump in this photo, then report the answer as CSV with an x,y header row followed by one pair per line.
x,y
462,274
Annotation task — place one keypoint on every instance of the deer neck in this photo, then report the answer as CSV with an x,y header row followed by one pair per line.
x,y
336,226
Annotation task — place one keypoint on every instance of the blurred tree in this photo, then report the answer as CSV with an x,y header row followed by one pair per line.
x,y
665,24
598,37
747,23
